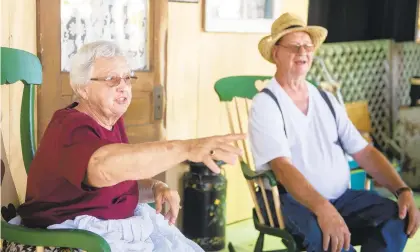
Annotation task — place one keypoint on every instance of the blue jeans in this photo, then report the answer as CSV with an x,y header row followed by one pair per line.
x,y
372,220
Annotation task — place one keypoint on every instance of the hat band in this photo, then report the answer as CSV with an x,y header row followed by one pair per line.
x,y
293,26
290,27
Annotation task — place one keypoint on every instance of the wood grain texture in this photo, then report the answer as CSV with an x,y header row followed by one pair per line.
x,y
56,92
18,31
196,60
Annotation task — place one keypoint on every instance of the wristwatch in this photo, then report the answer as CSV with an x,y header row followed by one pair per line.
x,y
401,190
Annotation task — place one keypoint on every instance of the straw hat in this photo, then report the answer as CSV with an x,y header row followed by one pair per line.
x,y
286,24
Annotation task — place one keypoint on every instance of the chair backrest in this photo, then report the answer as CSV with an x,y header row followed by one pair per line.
x,y
236,92
18,65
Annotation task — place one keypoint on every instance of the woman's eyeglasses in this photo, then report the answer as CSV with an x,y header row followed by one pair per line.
x,y
116,80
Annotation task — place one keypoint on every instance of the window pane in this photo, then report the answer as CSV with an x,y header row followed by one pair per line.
x,y
121,21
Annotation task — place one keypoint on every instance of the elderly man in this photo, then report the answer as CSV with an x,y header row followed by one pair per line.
x,y
294,132
85,174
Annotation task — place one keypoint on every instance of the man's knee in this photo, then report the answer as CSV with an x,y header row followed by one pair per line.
x,y
394,233
313,240
312,237
392,228
390,208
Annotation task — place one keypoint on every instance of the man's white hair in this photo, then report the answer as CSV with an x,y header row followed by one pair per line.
x,y
82,61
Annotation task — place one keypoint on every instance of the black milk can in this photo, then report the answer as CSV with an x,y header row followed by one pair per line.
x,y
204,208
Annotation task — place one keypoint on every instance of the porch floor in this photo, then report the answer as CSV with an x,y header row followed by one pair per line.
x,y
243,237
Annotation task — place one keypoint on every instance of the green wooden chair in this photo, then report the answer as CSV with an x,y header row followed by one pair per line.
x,y
237,92
19,65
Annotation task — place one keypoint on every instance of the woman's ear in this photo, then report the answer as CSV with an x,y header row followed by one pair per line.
x,y
83,92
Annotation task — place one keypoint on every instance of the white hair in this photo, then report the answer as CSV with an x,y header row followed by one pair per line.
x,y
82,61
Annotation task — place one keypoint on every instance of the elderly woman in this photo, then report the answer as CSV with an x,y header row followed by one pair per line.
x,y
301,134
86,175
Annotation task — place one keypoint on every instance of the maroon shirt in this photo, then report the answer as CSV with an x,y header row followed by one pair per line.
x,y
55,191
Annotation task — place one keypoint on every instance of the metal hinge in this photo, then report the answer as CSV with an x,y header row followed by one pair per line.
x,y
157,102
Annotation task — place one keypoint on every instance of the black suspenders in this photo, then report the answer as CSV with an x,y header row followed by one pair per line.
x,y
324,96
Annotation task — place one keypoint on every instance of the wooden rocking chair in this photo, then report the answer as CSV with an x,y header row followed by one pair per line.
x,y
19,65
236,93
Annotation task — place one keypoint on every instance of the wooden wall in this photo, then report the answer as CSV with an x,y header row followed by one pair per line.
x,y
18,30
196,60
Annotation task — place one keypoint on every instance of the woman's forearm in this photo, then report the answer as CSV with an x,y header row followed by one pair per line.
x,y
146,189
114,163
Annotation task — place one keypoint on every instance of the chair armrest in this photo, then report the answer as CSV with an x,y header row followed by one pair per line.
x,y
251,175
64,238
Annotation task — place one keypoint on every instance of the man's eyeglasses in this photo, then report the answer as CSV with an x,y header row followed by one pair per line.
x,y
116,80
295,48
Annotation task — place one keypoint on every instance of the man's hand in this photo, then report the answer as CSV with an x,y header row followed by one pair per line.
x,y
334,229
406,206
215,148
162,194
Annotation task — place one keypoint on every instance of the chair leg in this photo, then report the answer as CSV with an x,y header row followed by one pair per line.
x,y
260,243
290,245
231,248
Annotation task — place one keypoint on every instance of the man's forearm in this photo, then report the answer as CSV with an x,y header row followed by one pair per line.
x,y
378,166
298,186
115,163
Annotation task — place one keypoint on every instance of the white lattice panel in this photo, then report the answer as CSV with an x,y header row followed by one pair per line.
x,y
408,65
362,69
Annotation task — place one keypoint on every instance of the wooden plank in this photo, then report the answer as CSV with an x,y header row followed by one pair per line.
x,y
65,100
254,199
144,83
8,192
237,183
243,111
182,72
49,94
5,23
181,81
140,110
65,84
143,133
266,203
22,29
16,164
277,206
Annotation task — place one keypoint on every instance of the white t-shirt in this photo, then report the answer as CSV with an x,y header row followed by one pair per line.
x,y
311,141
